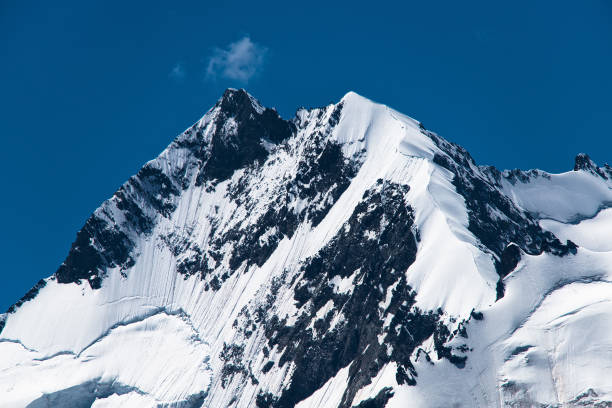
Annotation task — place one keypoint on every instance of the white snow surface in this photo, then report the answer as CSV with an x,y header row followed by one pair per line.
x,y
156,336
564,197
591,233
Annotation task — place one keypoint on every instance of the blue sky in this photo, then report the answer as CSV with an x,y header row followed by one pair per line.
x,y
90,92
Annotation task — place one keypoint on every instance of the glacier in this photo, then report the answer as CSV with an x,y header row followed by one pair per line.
x,y
347,257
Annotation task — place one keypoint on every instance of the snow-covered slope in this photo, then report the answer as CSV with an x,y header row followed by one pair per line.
x,y
346,257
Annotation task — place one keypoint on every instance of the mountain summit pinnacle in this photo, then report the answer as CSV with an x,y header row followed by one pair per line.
x,y
242,134
234,101
584,162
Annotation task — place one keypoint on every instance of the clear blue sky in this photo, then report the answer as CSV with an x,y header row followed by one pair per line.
x,y
89,91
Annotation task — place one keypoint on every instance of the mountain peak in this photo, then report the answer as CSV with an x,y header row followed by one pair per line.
x,y
352,97
584,162
235,101
262,262
242,130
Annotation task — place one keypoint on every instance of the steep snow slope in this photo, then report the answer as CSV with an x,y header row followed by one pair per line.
x,y
591,233
347,257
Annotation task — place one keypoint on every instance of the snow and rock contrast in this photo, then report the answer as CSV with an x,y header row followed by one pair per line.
x,y
347,257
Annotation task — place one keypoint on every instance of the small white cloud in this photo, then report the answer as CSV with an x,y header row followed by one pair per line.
x,y
240,61
178,72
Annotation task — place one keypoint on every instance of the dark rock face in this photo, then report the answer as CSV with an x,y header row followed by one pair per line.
x,y
265,400
31,294
235,146
493,218
105,242
324,172
442,335
373,249
509,258
322,175
88,261
584,162
232,357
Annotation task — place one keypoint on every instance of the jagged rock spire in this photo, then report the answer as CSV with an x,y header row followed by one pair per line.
x,y
584,162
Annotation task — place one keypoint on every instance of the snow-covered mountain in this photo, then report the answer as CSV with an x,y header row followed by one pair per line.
x,y
346,257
